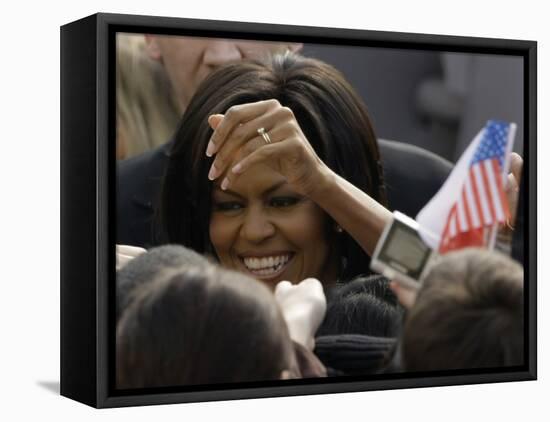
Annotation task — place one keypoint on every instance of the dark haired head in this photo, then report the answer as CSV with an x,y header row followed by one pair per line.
x,y
146,267
364,306
468,314
329,112
202,326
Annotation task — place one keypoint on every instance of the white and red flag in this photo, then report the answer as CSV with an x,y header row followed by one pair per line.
x,y
472,201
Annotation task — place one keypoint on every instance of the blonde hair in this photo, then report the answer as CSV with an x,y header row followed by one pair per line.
x,y
147,110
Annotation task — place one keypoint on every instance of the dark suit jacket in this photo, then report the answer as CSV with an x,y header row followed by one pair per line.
x,y
412,176
137,197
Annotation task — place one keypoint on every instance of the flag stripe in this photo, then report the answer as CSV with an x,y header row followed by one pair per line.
x,y
461,217
472,206
487,186
479,196
452,227
466,203
445,233
496,202
502,193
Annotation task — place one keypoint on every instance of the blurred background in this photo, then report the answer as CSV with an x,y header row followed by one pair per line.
x,y
434,100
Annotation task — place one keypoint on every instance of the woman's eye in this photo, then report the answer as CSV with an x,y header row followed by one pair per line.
x,y
227,206
283,201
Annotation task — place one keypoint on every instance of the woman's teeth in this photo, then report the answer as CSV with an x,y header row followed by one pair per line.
x,y
267,265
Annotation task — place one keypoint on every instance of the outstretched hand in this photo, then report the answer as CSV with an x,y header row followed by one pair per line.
x,y
303,306
237,145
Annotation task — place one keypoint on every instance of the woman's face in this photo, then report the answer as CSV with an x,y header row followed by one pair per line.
x,y
263,228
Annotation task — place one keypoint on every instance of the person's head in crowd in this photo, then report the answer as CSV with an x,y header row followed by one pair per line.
x,y
365,306
262,214
147,109
188,60
467,314
143,269
202,325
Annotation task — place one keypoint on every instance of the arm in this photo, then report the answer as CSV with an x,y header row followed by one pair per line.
x,y
355,211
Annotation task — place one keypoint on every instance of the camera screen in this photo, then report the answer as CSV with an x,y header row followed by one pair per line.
x,y
405,251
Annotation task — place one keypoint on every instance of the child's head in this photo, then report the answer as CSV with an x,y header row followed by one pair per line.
x,y
202,325
145,268
468,314
365,306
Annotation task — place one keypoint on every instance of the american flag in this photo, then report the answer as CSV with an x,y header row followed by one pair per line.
x,y
472,200
482,202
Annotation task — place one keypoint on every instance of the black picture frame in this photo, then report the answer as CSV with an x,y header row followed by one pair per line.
x,y
87,207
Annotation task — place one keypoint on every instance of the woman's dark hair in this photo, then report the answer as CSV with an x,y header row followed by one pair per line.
x,y
329,112
468,314
365,306
201,325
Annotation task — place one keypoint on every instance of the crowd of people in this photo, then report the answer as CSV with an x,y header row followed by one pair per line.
x,y
260,213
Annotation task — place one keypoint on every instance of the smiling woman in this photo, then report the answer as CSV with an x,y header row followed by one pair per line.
x,y
263,227
302,198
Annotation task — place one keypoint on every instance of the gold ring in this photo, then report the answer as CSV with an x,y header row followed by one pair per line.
x,y
263,133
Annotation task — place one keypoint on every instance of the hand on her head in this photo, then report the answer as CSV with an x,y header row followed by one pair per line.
x,y
303,306
125,253
237,145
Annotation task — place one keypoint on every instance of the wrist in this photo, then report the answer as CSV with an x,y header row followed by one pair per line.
x,y
320,183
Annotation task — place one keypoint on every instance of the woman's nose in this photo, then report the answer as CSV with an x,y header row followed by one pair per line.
x,y
219,53
257,226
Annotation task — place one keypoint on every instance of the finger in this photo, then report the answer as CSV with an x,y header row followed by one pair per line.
x,y
282,288
271,121
258,156
516,166
511,183
512,194
312,283
278,136
228,177
234,116
313,287
242,141
214,120
129,250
